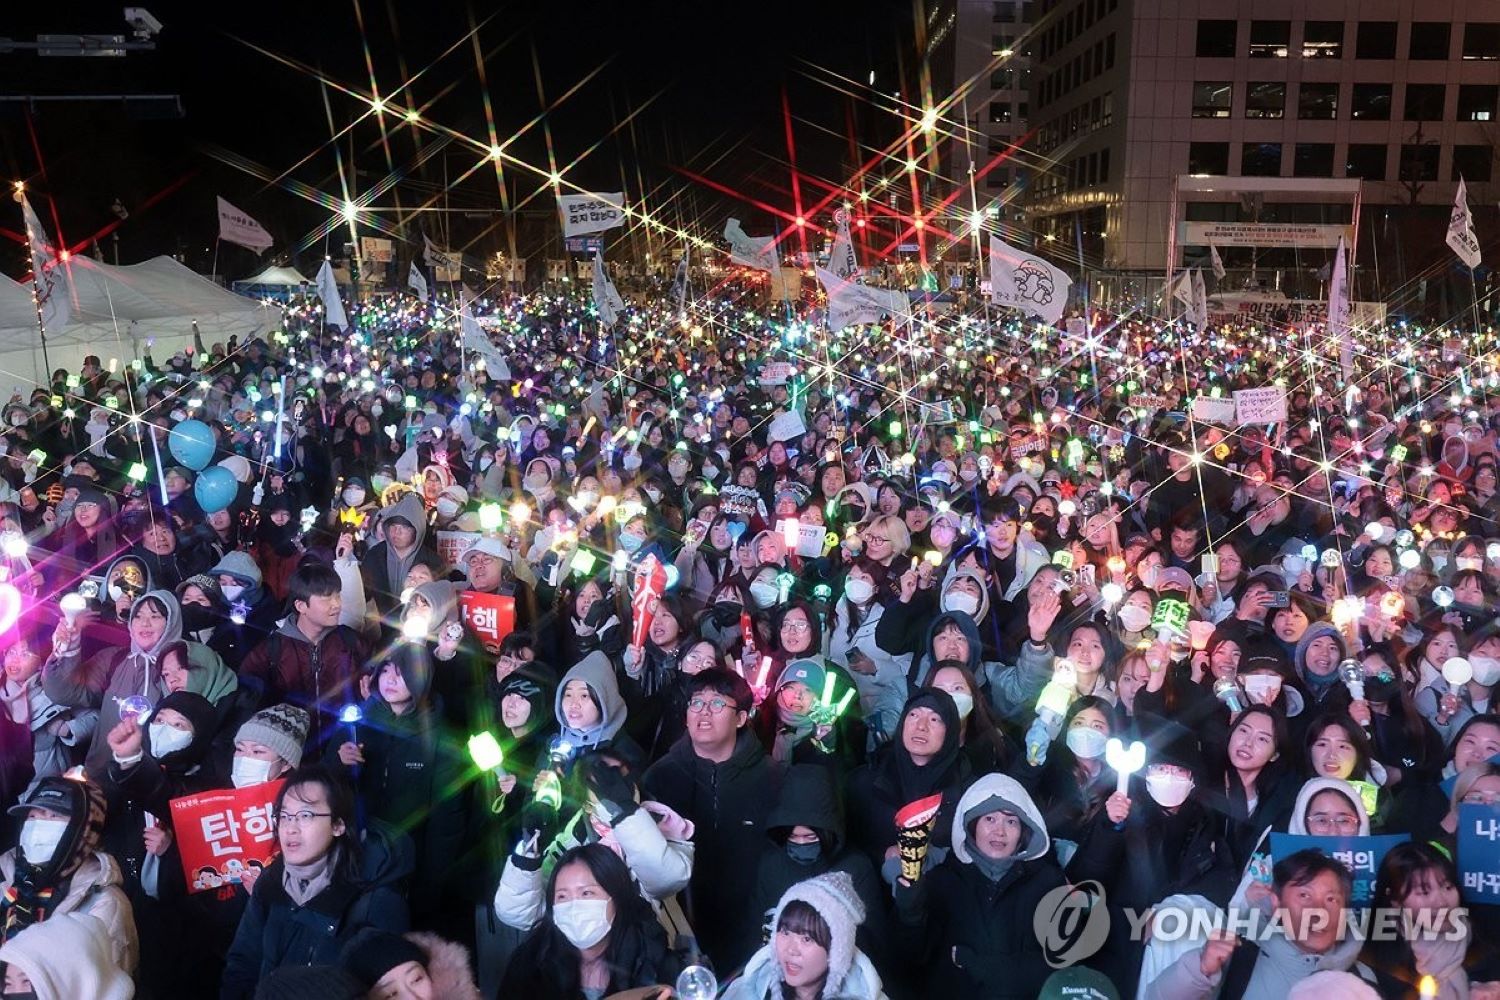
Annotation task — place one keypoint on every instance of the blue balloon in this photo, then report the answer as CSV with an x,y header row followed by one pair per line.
x,y
192,443
215,489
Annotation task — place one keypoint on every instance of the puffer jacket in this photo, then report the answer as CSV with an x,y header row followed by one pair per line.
x,y
882,693
96,888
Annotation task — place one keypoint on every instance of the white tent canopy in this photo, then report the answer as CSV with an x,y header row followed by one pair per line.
x,y
275,275
122,312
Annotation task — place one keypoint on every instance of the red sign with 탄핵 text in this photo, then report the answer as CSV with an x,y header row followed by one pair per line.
x,y
488,617
225,833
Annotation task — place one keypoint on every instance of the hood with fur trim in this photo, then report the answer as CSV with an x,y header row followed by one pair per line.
x,y
1312,787
447,965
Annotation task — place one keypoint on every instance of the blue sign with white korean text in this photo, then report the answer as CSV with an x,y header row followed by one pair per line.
x,y
1361,855
1479,853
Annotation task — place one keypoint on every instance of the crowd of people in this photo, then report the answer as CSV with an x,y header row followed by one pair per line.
x,y
709,643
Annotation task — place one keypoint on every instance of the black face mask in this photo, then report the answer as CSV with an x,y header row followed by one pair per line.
x,y
804,854
726,613
1382,688
196,618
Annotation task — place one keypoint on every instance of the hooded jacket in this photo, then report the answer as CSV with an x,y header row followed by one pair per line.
x,y
970,933
384,569
1012,690
1299,658
94,889
69,956
727,804
1258,867
114,673
276,932
598,673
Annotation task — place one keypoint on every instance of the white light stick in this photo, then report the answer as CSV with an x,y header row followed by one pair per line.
x,y
73,605
1457,671
1125,761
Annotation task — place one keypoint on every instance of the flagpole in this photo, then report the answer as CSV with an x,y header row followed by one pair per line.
x,y
41,327
216,262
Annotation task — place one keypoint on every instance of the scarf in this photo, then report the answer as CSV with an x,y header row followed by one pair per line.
x,y
27,902
303,882
993,869
794,728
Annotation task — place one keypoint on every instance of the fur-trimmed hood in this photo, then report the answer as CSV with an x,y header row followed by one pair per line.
x,y
448,965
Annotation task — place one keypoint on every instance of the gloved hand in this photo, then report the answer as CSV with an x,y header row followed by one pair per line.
x,y
614,791
538,820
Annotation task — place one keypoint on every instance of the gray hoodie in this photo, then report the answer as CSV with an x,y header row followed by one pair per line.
x,y
409,508
598,673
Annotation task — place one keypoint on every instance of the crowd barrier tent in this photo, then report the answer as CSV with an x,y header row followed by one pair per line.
x,y
115,310
274,282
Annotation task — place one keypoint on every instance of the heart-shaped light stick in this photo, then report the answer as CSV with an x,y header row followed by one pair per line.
x,y
1125,761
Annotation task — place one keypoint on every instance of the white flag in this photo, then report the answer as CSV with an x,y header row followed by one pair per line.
x,y
1338,313
1218,263
591,213
416,282
1461,228
606,299
435,257
477,342
1023,281
680,281
328,291
1200,300
841,259
238,228
758,252
850,304
54,290
1182,291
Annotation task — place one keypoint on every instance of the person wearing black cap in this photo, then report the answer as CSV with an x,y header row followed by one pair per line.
x,y
58,868
413,966
402,769
83,541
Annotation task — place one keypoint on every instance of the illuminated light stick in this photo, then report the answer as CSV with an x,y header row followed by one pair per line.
x,y
1125,761
1457,671
72,604
1392,604
790,531
161,475
764,673
485,752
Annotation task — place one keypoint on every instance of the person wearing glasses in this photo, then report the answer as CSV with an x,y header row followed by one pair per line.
x,y
325,887
718,776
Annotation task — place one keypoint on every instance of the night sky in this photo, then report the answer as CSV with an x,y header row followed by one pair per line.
x,y
720,70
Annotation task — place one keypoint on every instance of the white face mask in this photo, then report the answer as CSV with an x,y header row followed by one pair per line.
x,y
631,461
232,592
961,600
859,591
764,594
1086,742
710,470
1486,670
535,481
354,496
964,702
247,771
1261,688
447,507
1465,563
1169,790
165,739
584,922
653,493
40,837
381,483
1134,618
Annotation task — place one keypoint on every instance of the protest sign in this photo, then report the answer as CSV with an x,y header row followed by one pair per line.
x,y
375,250
776,372
451,545
223,833
1147,401
488,617
1479,853
786,426
1260,406
1214,411
590,213
1361,855
734,499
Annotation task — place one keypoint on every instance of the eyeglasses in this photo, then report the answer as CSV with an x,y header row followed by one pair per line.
x,y
794,625
1341,822
872,539
714,706
300,818
1481,798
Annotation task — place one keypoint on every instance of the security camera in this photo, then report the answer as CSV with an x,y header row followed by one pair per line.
x,y
140,19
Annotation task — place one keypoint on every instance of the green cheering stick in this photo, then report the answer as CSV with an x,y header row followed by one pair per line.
x,y
826,712
485,752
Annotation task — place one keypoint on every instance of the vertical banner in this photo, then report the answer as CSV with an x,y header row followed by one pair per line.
x,y
224,833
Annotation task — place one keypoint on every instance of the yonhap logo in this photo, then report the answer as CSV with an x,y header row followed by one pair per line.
x,y
1071,923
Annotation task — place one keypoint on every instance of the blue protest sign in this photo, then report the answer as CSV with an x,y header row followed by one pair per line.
x,y
1361,855
1479,853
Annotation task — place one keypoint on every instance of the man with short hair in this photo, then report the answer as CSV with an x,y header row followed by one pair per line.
x,y
311,660
1311,934
718,776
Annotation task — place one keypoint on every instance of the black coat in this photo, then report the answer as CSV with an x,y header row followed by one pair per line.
x,y
972,937
728,804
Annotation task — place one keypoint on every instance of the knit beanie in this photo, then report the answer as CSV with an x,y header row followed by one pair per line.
x,y
832,894
309,982
373,952
281,728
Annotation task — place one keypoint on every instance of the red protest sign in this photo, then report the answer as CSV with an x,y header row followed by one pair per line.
x,y
225,833
650,584
488,617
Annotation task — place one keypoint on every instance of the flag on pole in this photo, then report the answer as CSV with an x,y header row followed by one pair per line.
x,y
1218,262
1023,281
53,289
585,213
328,290
1182,290
477,342
238,228
758,252
1461,228
416,282
850,304
1200,300
435,257
841,259
606,299
1338,313
680,281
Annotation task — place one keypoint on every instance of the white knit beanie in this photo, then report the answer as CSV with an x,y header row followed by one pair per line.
x,y
832,895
